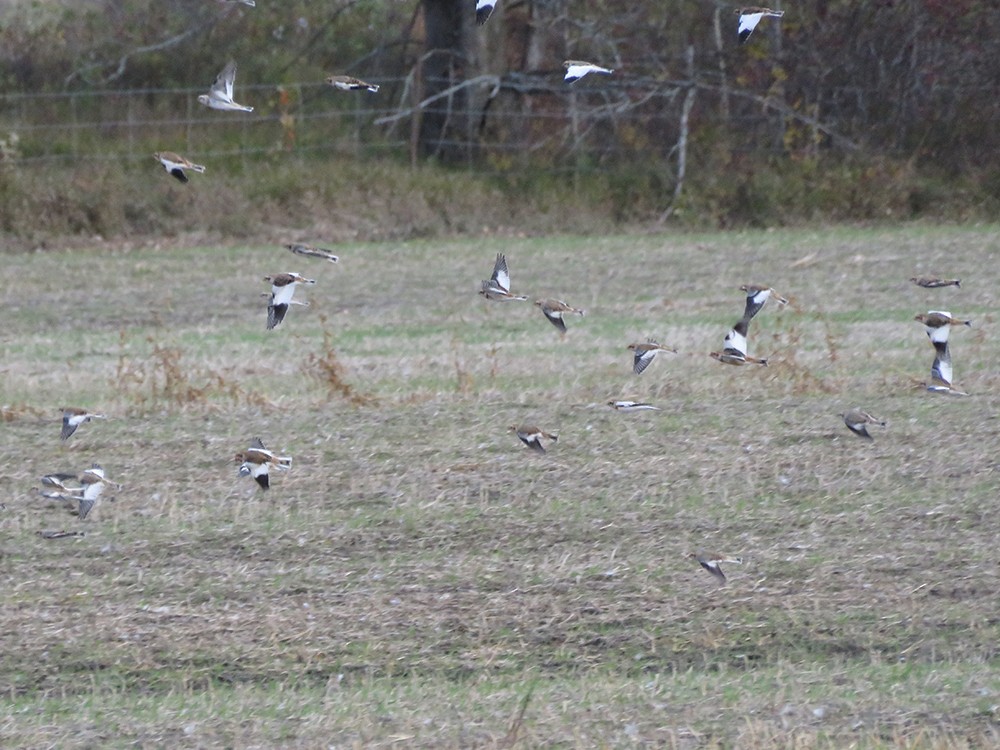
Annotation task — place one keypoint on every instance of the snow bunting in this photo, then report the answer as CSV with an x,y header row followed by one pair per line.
x,y
176,164
532,436
248,3
734,350
711,562
733,357
643,354
220,96
257,461
933,283
282,289
313,252
577,69
630,406
73,417
750,17
93,482
554,310
497,287
349,83
936,321
484,9
857,421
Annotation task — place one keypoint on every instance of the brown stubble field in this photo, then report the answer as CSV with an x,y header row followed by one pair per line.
x,y
421,579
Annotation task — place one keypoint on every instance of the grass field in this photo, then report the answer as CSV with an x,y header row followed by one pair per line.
x,y
421,579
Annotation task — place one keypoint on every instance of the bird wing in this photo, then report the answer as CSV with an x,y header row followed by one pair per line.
x,y
755,301
500,274
555,318
223,84
642,360
941,369
748,22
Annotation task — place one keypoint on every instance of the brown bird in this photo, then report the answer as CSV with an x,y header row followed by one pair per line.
x,y
934,283
532,436
645,353
312,252
711,562
937,319
348,83
857,421
554,310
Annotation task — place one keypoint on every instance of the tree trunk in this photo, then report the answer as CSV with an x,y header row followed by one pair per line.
x,y
444,63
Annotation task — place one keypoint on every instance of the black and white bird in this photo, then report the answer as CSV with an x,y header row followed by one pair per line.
x,y
282,290
497,287
750,17
257,461
73,417
220,95
631,406
177,165
577,69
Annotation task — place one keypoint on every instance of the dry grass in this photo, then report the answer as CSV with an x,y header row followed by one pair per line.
x,y
419,578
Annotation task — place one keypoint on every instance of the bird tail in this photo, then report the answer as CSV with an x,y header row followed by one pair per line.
x,y
198,168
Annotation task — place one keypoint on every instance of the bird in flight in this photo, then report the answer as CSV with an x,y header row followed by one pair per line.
x,y
312,252
935,283
711,562
220,95
497,287
644,354
631,406
577,69
282,289
257,461
349,83
938,325
73,417
857,421
554,310
176,164
750,17
532,436
91,484
734,351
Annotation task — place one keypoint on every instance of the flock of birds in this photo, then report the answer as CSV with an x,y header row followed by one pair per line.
x,y
220,94
83,490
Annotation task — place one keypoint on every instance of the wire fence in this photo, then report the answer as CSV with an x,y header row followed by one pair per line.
x,y
498,126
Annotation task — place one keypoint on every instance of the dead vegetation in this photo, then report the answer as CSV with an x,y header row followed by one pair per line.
x,y
419,577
